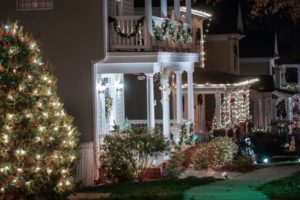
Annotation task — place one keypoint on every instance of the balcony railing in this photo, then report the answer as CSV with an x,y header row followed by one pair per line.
x,y
131,35
128,33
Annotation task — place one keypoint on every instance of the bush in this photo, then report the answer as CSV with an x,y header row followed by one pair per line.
x,y
215,154
206,156
226,147
116,158
241,163
172,166
126,155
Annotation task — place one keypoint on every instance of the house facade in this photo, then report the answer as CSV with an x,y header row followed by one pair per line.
x,y
147,54
287,99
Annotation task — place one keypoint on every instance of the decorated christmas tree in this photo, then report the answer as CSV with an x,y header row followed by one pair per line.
x,y
38,143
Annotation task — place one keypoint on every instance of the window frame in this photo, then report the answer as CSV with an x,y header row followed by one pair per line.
x,y
32,8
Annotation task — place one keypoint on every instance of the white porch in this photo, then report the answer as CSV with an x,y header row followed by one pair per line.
x,y
108,76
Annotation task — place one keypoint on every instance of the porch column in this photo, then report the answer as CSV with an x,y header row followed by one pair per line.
x,y
148,20
177,9
190,95
202,52
260,115
165,107
179,112
218,107
163,8
290,112
188,5
102,116
150,102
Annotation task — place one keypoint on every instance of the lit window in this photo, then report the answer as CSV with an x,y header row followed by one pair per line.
x,y
34,4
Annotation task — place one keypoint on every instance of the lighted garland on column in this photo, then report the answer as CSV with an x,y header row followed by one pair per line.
x,y
174,32
235,109
108,104
135,32
164,76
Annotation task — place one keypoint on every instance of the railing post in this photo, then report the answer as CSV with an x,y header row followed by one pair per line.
x,y
188,5
148,20
177,9
163,8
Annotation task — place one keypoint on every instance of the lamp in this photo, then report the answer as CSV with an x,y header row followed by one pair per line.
x,y
100,88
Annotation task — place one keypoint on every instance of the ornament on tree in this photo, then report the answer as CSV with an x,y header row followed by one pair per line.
x,y
38,141
2,69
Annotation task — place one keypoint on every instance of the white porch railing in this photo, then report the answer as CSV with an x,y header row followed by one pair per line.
x,y
141,40
144,122
127,25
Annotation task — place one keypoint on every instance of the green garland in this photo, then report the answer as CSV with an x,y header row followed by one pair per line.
x,y
137,28
108,104
168,31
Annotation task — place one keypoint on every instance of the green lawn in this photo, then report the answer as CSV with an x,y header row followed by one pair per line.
x,y
156,190
283,189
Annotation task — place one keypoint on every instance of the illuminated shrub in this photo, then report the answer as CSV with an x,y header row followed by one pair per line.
x,y
226,147
206,157
215,154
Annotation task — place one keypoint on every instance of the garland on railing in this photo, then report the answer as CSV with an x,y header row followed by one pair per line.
x,y
177,34
117,27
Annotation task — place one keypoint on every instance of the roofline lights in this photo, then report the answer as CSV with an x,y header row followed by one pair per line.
x,y
197,12
243,83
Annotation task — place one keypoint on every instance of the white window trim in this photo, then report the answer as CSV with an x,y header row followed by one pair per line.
x,y
33,9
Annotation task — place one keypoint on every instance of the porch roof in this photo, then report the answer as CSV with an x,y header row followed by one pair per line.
x,y
144,62
218,79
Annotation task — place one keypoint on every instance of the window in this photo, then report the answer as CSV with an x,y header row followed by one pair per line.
x,y
34,4
291,75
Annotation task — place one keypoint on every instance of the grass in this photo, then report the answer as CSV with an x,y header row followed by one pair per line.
x,y
284,189
156,190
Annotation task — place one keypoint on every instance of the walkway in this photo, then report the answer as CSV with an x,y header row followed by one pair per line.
x,y
242,187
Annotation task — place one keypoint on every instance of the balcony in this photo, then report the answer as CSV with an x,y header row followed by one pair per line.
x,y
129,33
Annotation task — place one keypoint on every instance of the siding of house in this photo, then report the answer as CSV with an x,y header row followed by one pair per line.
x,y
127,7
71,38
218,55
258,68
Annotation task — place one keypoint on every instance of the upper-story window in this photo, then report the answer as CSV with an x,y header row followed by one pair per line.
x,y
291,75
34,4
